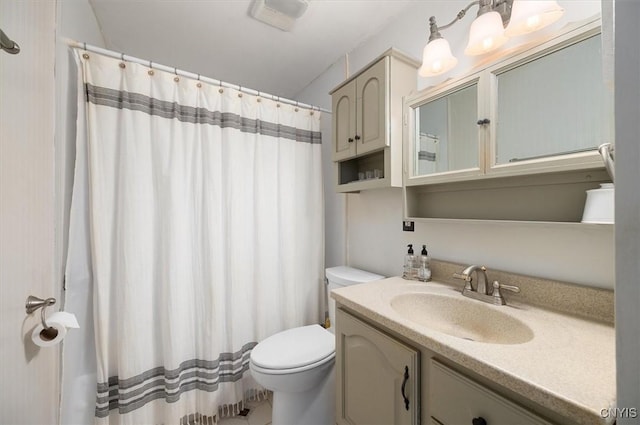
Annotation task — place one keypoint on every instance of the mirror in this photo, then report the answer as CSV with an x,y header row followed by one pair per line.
x,y
555,104
447,133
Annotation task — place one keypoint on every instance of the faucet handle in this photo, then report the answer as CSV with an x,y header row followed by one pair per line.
x,y
497,296
461,276
467,280
498,285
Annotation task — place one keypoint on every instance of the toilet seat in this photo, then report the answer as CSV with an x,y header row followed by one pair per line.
x,y
290,371
294,350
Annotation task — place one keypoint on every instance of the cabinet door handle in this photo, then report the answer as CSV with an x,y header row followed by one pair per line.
x,y
357,137
484,121
404,383
350,140
478,421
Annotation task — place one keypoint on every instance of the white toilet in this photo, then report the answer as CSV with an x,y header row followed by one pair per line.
x,y
297,364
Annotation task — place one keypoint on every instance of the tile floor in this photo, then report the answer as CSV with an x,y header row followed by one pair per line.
x,y
259,414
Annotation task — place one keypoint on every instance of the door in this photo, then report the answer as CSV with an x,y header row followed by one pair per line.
x,y
29,381
377,376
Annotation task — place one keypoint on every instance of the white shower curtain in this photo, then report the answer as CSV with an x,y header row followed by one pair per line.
x,y
204,222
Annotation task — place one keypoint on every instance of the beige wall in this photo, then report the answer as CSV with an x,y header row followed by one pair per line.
x,y
28,375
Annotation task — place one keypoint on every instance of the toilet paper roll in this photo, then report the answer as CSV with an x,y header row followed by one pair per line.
x,y
58,323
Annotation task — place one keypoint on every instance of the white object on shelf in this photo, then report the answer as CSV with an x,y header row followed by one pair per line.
x,y
599,207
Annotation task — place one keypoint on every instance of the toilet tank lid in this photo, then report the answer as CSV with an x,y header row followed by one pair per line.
x,y
343,275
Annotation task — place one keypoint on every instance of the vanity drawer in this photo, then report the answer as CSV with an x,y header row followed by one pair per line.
x,y
456,400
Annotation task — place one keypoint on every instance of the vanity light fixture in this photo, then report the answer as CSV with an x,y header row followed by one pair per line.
x,y
496,21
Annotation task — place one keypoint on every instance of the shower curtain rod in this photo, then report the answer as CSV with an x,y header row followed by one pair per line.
x,y
150,64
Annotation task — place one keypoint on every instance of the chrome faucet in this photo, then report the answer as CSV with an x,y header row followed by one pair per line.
x,y
481,273
481,291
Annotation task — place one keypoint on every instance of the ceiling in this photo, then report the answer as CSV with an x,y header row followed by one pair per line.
x,y
218,38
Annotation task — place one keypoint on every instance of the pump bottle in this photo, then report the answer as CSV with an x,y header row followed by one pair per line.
x,y
409,264
424,270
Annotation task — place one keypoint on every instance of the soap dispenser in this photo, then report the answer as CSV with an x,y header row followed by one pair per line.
x,y
409,264
424,270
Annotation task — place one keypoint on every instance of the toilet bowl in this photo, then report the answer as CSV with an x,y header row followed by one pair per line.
x,y
297,364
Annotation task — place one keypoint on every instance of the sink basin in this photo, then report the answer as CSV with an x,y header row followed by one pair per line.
x,y
461,317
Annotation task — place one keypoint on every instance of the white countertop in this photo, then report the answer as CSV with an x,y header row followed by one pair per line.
x,y
567,367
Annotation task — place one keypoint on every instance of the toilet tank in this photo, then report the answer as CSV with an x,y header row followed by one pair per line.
x,y
341,276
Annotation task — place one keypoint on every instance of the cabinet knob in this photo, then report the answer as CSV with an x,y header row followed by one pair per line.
x,y
484,121
357,137
478,421
350,139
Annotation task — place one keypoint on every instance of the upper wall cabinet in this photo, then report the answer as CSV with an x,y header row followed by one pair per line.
x,y
514,140
552,111
358,108
543,109
367,123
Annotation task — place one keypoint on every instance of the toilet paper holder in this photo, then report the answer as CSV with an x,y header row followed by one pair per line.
x,y
34,303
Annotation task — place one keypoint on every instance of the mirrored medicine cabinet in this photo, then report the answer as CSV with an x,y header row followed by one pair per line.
x,y
523,130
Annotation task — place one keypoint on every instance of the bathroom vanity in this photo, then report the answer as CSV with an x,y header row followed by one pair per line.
x,y
420,353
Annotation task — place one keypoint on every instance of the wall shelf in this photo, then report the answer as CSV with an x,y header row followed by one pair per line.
x,y
558,197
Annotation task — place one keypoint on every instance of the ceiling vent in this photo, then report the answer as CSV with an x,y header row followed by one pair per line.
x,y
281,14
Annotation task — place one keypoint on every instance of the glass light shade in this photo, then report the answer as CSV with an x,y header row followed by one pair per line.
x,y
486,34
529,16
437,58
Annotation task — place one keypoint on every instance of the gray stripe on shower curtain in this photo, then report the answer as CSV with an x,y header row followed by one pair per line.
x,y
131,393
139,102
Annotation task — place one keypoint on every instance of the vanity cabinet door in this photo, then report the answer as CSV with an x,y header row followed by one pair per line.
x,y
376,376
457,400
